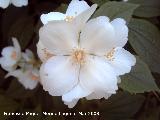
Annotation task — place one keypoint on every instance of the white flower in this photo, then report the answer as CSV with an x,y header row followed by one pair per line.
x,y
28,78
75,8
17,3
28,56
83,59
10,56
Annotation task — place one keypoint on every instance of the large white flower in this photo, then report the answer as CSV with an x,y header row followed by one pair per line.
x,y
10,56
83,59
29,78
74,9
17,3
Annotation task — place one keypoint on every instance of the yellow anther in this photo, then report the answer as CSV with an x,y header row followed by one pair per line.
x,y
69,18
47,54
79,56
110,55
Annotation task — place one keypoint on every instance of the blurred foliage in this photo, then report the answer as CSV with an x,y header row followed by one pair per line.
x,y
147,8
116,9
144,38
138,97
139,80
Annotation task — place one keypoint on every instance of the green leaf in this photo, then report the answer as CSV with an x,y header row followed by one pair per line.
x,y
23,30
62,8
144,37
121,106
99,2
7,105
147,8
116,9
139,80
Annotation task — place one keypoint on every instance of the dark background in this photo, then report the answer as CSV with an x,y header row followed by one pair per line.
x,y
24,23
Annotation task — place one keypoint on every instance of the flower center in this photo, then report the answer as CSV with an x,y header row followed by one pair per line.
x,y
47,54
69,18
14,55
78,56
33,77
110,55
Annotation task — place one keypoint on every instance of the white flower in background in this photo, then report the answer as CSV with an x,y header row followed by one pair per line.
x,y
10,56
74,9
28,56
17,3
83,61
29,78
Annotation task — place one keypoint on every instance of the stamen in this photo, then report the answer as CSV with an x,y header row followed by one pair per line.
x,y
69,18
110,55
33,77
47,54
79,56
14,55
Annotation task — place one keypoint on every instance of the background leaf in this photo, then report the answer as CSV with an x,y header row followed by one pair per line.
x,y
147,8
23,30
144,37
7,105
116,9
99,2
121,106
139,80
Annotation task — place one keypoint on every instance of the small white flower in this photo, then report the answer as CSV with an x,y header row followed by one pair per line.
x,y
75,8
28,78
17,3
83,59
10,56
28,56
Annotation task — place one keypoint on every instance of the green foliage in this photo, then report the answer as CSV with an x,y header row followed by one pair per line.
x,y
23,30
7,105
62,8
116,9
147,8
99,2
121,106
144,38
139,80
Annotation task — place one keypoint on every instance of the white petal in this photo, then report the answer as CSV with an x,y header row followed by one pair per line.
x,y
7,64
17,47
59,75
76,93
24,78
122,61
76,7
59,36
7,56
121,31
19,3
4,3
28,55
81,19
71,104
98,95
98,36
97,75
7,51
43,53
45,18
